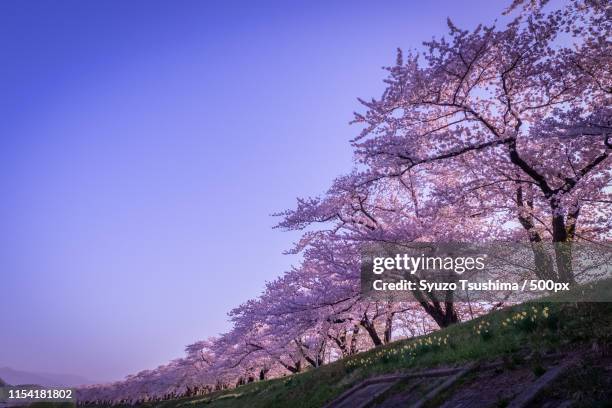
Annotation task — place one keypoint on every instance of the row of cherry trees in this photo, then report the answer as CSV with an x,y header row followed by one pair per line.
x,y
490,134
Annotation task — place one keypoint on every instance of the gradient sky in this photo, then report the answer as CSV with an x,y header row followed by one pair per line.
x,y
144,145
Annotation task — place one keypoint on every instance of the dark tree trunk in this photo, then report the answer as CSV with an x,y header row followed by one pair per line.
x,y
295,368
563,235
369,326
353,348
388,328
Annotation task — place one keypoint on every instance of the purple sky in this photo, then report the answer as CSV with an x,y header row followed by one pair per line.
x,y
143,146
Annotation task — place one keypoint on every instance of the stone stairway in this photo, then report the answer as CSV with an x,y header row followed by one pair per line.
x,y
484,385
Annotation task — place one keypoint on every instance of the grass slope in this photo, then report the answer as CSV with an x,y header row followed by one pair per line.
x,y
510,334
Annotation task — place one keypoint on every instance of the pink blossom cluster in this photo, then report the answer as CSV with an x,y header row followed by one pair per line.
x,y
489,134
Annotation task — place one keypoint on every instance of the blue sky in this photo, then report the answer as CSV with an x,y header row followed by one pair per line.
x,y
144,145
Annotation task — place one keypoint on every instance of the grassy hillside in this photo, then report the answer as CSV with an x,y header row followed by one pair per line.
x,y
513,334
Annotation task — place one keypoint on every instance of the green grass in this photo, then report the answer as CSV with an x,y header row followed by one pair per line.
x,y
510,334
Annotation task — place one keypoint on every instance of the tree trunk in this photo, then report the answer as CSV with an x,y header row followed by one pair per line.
x,y
353,348
388,328
563,234
369,326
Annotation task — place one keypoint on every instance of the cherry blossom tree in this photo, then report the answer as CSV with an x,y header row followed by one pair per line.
x,y
491,134
511,122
